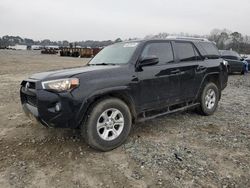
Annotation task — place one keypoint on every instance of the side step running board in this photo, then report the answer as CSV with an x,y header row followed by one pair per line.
x,y
169,112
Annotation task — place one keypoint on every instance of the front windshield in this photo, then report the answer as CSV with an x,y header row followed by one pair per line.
x,y
115,54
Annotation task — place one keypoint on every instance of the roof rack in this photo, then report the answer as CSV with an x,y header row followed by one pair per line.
x,y
188,38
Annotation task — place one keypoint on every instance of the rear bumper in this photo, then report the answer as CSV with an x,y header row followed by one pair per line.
x,y
223,77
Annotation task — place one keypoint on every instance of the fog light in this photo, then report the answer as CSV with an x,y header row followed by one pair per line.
x,y
58,107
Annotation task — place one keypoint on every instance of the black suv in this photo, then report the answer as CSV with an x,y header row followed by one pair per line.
x,y
126,83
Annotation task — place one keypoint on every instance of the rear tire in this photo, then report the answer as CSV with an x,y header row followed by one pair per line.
x,y
209,99
108,124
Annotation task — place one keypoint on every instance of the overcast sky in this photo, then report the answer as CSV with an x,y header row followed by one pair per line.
x,y
76,20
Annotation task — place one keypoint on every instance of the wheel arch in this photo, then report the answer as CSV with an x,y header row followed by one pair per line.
x,y
212,77
119,93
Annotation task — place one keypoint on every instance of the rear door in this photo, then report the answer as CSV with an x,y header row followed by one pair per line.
x,y
159,85
192,69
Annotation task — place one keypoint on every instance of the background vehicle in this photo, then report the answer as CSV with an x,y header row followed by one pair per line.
x,y
125,83
248,60
234,60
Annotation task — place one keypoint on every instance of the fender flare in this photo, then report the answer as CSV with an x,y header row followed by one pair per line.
x,y
119,90
204,80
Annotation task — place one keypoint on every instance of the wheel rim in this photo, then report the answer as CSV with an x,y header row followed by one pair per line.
x,y
110,124
210,99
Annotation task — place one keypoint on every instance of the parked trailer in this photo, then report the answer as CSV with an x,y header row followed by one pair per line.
x,y
80,52
96,51
49,51
77,52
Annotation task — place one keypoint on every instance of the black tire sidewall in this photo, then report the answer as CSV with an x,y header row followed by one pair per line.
x,y
204,108
91,134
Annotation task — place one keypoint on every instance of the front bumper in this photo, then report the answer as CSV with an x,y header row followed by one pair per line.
x,y
30,110
40,105
32,113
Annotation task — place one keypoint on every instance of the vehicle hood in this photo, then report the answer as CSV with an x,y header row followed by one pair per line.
x,y
69,72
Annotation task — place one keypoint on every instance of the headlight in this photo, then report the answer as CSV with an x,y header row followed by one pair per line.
x,y
61,85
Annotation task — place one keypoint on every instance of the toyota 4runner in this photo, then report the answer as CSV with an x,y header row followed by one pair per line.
x,y
125,83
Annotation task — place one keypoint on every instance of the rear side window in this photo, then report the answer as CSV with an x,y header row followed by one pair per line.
x,y
186,52
161,50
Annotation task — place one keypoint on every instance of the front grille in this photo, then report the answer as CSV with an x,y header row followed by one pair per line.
x,y
29,85
32,100
28,93
32,85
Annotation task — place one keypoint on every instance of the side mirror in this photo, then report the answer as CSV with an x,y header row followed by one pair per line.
x,y
148,61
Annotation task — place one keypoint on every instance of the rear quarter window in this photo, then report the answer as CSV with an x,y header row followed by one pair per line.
x,y
211,51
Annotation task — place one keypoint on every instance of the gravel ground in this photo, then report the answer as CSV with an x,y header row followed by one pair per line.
x,y
179,150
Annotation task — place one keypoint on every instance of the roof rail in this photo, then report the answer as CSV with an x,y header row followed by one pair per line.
x,y
188,38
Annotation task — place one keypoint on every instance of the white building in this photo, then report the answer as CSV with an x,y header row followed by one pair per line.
x,y
19,47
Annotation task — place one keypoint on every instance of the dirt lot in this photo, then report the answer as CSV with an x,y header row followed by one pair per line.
x,y
180,150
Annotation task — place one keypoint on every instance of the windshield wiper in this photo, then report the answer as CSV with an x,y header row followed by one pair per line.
x,y
103,64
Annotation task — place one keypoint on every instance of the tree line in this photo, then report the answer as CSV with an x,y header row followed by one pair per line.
x,y
7,41
224,39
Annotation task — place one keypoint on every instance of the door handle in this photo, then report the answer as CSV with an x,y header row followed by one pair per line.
x,y
176,71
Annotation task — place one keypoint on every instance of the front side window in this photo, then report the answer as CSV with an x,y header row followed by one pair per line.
x,y
186,52
116,54
163,51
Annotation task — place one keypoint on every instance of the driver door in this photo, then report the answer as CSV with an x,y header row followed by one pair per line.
x,y
159,85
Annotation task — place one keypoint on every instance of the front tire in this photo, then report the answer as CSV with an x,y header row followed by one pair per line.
x,y
108,124
209,99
